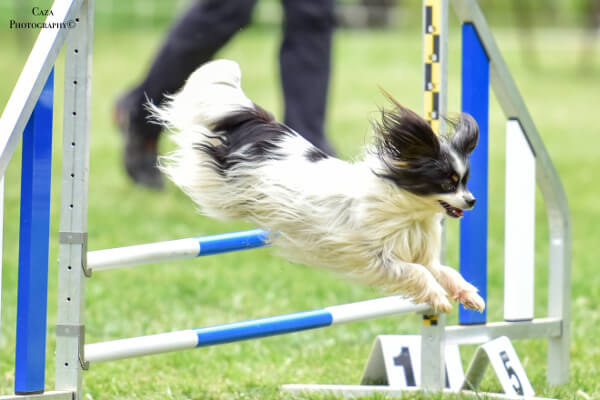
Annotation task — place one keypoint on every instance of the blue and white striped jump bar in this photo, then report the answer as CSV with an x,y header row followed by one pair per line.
x,y
253,329
176,249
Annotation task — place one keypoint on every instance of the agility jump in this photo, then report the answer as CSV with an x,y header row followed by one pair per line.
x,y
35,87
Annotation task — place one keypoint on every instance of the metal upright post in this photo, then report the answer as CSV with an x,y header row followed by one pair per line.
x,y
70,328
559,289
433,346
435,57
1,241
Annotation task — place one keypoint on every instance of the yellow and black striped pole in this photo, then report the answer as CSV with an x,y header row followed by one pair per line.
x,y
435,72
435,17
435,39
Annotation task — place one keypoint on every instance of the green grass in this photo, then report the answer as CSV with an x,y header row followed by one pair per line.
x,y
562,98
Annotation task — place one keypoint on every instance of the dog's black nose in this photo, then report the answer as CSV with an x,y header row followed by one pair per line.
x,y
470,202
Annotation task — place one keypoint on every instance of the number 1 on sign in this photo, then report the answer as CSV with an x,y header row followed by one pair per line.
x,y
396,361
403,360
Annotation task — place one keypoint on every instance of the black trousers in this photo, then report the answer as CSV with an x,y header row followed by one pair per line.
x,y
208,24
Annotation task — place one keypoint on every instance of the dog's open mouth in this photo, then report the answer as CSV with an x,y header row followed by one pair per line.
x,y
453,212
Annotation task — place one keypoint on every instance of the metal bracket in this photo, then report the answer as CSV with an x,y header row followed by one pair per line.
x,y
80,238
79,332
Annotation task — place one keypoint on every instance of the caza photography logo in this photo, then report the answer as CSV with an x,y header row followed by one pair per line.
x,y
39,13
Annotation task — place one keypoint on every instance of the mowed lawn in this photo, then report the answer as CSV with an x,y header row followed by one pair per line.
x,y
562,96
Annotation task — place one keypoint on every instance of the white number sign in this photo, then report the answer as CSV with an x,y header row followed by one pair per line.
x,y
396,361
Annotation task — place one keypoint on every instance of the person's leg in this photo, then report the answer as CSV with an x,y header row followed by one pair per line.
x,y
305,63
195,37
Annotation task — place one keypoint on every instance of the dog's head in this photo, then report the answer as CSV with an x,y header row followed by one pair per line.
x,y
433,167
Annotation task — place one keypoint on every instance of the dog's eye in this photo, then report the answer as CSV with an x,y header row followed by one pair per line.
x,y
448,187
465,178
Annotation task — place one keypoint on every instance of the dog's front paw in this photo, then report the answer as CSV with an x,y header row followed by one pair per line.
x,y
438,299
471,299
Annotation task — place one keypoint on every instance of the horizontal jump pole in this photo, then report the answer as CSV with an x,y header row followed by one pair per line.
x,y
176,249
252,329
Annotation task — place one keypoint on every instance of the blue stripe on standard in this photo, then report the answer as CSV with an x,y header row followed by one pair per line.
x,y
30,358
263,327
226,242
473,227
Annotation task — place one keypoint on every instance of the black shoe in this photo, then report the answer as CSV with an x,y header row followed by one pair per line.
x,y
140,155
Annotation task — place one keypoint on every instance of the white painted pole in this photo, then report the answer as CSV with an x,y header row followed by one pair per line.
x,y
376,308
143,254
519,237
176,249
140,346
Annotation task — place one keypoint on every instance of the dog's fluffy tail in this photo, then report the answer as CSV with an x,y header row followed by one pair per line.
x,y
210,94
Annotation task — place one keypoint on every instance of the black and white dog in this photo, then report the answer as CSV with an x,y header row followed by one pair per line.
x,y
376,220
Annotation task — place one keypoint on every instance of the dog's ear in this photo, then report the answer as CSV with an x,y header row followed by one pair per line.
x,y
405,136
466,134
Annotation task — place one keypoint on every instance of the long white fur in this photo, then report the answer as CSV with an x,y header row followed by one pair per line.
x,y
329,213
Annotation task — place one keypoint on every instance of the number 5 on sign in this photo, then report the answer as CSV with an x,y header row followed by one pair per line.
x,y
396,361
501,354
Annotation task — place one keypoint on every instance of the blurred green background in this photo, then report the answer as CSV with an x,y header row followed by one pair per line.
x,y
552,49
